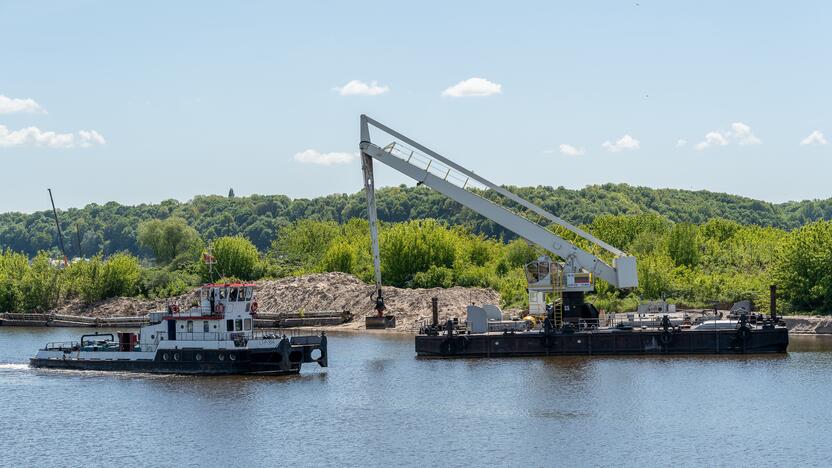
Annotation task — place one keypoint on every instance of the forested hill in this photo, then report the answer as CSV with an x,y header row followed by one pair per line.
x,y
112,227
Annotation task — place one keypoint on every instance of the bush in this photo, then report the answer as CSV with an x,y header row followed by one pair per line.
x,y
434,277
41,285
519,252
96,279
413,247
13,268
160,283
475,276
340,256
234,256
303,244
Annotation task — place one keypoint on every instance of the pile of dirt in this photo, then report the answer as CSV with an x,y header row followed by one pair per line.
x,y
114,307
340,291
805,324
326,291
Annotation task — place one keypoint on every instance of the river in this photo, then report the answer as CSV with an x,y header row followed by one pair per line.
x,y
378,405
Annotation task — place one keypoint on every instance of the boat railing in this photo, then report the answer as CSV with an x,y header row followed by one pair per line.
x,y
62,346
269,333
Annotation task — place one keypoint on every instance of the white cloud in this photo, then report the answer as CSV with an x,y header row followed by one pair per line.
x,y
681,142
311,156
90,138
624,143
740,133
12,105
570,150
33,136
360,88
713,139
814,138
473,87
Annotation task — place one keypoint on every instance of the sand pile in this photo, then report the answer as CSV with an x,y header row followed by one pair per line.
x,y
119,306
803,324
326,291
340,291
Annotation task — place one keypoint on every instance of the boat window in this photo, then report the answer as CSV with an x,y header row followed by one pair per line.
x,y
233,295
190,326
532,272
205,327
238,324
248,324
222,293
241,294
229,325
249,292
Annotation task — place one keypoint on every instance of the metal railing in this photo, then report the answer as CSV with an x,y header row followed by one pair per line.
x,y
439,169
432,165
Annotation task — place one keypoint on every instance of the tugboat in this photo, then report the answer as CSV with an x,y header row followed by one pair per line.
x,y
214,337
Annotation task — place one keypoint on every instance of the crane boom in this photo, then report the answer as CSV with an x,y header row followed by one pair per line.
x,y
439,173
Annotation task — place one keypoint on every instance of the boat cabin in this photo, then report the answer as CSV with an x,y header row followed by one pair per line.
x,y
223,312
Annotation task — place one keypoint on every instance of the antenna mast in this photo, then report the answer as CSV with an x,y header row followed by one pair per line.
x,y
58,224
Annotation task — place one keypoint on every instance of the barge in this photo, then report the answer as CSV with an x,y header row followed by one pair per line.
x,y
738,337
215,336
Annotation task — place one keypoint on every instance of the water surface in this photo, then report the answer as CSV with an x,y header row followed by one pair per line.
x,y
378,405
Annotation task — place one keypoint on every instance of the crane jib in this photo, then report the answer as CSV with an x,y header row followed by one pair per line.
x,y
435,171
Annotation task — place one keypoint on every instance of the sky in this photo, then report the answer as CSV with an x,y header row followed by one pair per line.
x,y
138,102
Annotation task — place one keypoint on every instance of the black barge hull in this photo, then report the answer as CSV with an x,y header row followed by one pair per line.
x,y
604,342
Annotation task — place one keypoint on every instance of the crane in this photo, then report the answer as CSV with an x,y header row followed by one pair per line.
x,y
572,277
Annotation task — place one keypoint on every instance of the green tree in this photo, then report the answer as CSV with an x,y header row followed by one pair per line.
x,y
169,239
13,268
520,252
340,256
41,284
804,268
234,256
415,246
96,279
303,244
434,277
683,244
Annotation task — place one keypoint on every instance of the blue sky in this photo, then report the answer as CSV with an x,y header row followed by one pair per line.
x,y
157,100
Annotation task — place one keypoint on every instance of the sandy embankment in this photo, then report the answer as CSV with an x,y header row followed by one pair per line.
x,y
327,291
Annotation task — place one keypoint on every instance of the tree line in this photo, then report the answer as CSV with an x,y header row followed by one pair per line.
x,y
110,228
694,264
